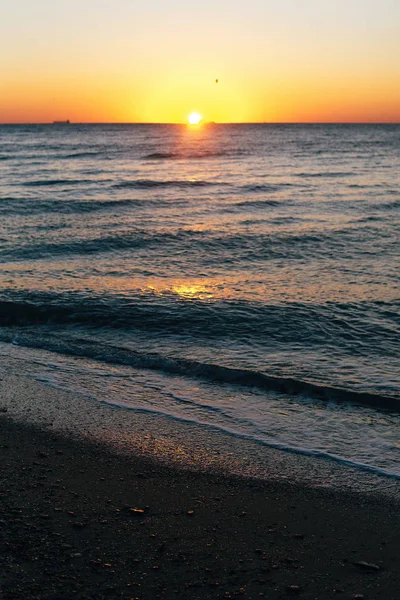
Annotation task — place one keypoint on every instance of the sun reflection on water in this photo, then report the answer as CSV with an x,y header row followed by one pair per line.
x,y
257,286
192,292
187,290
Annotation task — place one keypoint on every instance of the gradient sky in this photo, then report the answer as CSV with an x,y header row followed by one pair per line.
x,y
157,60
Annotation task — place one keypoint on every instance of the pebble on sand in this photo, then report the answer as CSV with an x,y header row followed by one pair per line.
x,y
137,511
293,589
367,566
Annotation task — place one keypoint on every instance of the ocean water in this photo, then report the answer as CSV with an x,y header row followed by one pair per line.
x,y
242,277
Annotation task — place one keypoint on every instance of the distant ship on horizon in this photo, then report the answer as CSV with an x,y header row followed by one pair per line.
x,y
66,122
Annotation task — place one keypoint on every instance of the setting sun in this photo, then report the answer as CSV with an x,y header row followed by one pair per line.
x,y
194,118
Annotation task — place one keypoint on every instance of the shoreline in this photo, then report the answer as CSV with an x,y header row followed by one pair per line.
x,y
175,443
210,527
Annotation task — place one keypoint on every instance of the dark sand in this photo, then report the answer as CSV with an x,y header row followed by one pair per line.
x,y
67,530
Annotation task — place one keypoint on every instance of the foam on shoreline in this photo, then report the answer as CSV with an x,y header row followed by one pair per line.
x,y
182,445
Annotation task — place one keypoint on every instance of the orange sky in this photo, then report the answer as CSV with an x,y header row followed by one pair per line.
x,y
157,61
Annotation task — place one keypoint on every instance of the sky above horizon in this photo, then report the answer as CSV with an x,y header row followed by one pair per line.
x,y
158,60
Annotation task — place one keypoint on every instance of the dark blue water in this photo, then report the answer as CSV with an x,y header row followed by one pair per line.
x,y
240,276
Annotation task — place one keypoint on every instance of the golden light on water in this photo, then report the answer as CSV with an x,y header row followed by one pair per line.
x,y
193,292
187,290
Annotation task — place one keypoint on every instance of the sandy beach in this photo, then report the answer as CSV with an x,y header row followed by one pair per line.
x,y
86,519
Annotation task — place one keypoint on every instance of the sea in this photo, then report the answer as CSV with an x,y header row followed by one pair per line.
x,y
241,278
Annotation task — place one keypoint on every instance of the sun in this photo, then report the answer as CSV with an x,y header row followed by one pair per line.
x,y
194,118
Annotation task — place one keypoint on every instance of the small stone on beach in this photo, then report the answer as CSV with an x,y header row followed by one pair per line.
x,y
137,511
367,566
293,589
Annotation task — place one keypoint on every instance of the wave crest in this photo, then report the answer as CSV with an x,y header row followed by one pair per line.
x,y
194,369
151,183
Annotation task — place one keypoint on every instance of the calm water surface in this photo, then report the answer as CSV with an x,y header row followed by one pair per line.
x,y
244,277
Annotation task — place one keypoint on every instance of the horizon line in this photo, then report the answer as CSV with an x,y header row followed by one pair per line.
x,y
183,123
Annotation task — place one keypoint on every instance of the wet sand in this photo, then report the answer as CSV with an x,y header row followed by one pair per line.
x,y
80,521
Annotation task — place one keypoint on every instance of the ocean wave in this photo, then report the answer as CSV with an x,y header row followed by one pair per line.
x,y
194,369
329,174
103,244
388,205
256,204
372,186
80,247
208,247
186,155
358,329
262,187
22,206
56,182
151,183
86,154
205,247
